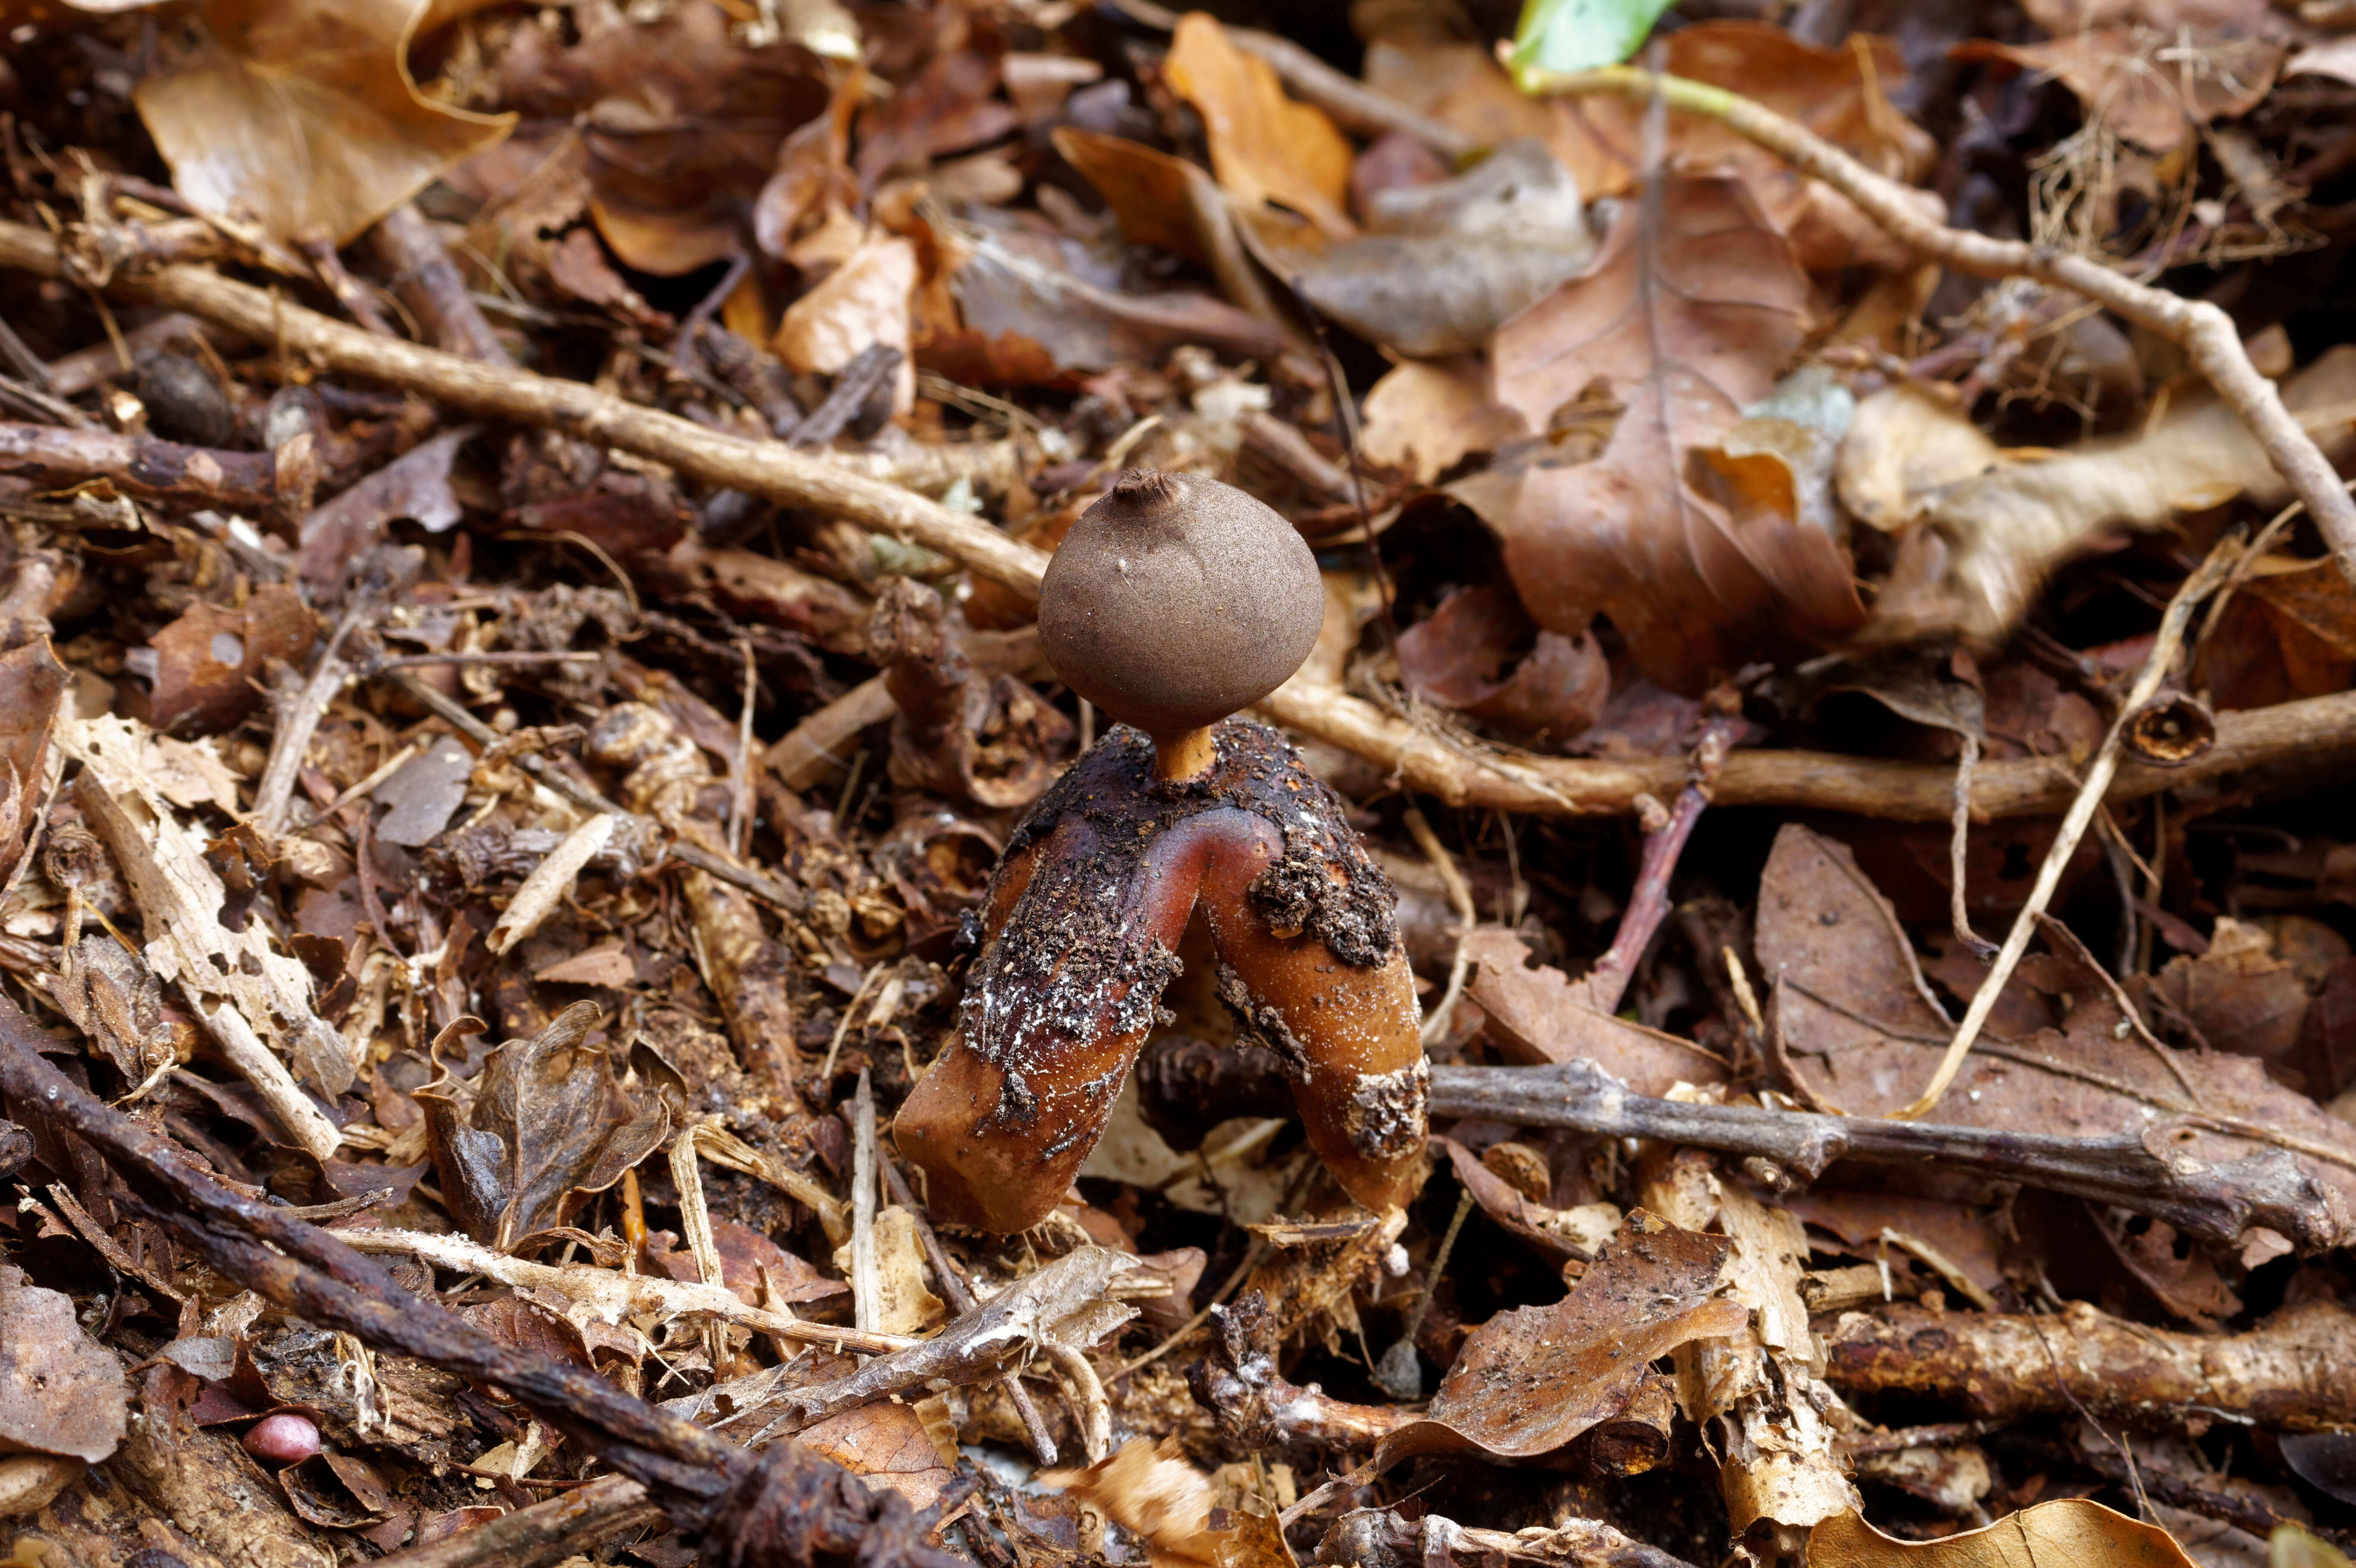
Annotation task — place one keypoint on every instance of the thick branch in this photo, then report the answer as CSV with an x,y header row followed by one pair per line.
x,y
2205,332
2215,1202
141,465
2297,1369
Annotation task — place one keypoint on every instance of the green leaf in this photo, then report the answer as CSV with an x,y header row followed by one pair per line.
x,y
1578,35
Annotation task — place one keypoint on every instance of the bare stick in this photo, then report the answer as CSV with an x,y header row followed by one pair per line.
x,y
2155,666
566,1526
2317,727
2216,1201
1608,981
1459,899
764,468
2205,332
142,465
866,1305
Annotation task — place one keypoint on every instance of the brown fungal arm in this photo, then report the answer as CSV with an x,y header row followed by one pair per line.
x,y
1081,932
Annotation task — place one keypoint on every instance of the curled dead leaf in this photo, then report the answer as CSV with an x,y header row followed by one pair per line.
x,y
548,1123
1530,1380
1264,146
303,114
2072,1530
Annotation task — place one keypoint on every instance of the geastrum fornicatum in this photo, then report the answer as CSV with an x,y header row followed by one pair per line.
x,y
1175,602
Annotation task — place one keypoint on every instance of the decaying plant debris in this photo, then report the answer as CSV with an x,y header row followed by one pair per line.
x,y
555,902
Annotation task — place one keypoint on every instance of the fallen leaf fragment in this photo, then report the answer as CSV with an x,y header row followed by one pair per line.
x,y
1537,1014
548,1123
1426,416
862,302
1530,1380
207,666
2071,1531
61,1393
303,114
1264,146
1149,1489
1443,266
2125,76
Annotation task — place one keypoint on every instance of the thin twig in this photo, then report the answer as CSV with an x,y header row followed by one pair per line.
x,y
866,1288
1459,899
2211,573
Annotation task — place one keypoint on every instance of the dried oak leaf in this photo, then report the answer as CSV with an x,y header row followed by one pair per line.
x,y
303,114
1537,1015
547,1124
207,666
2073,1530
1530,1380
1853,1026
1264,146
61,1393
1686,318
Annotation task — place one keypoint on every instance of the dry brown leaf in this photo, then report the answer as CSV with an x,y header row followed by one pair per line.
x,y
2141,81
1685,319
303,114
207,668
862,302
1442,266
1148,1490
548,1123
1475,653
1530,1380
1540,1014
415,486
1853,1026
2238,995
2288,632
1426,416
2071,1531
1992,524
61,1393
1264,146
887,1444
1171,204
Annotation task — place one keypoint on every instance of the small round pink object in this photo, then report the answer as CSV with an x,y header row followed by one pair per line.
x,y
282,1439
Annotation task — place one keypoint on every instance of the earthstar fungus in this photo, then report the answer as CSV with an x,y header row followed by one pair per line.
x,y
1175,602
